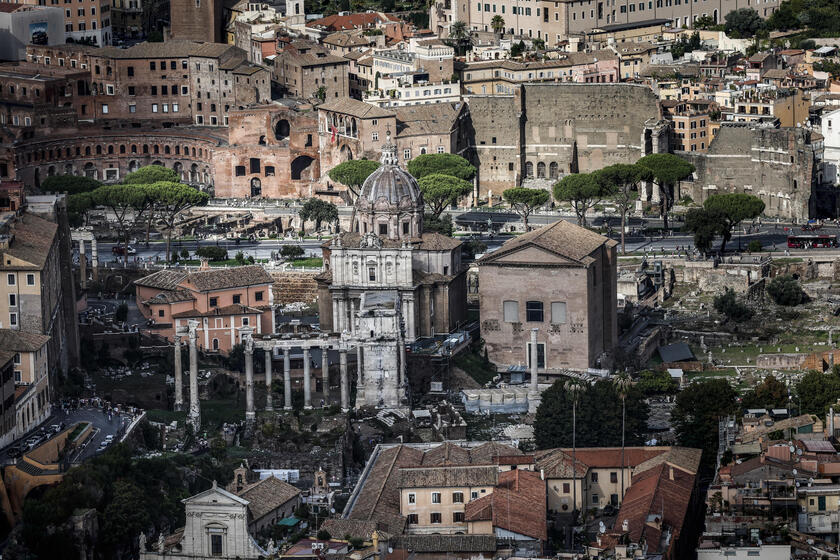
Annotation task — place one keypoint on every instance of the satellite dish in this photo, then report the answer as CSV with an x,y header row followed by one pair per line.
x,y
794,471
792,449
602,528
797,485
810,480
390,550
799,452
332,510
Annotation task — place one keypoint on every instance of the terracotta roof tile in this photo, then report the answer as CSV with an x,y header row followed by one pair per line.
x,y
235,309
563,238
224,278
33,239
448,476
162,279
20,341
447,543
267,495
517,504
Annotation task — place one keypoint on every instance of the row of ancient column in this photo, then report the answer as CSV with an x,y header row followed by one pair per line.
x,y
94,258
191,331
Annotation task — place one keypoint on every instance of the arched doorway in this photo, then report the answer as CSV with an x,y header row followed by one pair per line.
x,y
256,187
529,169
553,168
346,154
194,173
179,169
281,129
301,168
541,170
132,166
90,170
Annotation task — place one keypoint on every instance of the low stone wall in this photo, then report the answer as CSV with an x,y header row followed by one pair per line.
x,y
780,361
295,286
709,278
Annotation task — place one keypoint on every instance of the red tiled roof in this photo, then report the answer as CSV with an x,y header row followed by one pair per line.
x,y
517,504
657,499
351,21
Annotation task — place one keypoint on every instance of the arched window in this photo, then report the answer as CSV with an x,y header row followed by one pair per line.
x,y
553,168
256,187
145,148
301,168
110,150
156,149
529,169
177,150
281,129
262,141
134,148
167,149
98,150
541,170
87,150
122,148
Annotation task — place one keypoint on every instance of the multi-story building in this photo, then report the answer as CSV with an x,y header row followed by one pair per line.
x,y
222,300
819,510
173,82
789,106
502,76
830,128
7,397
33,393
88,22
304,69
557,21
692,125
429,57
21,24
197,20
34,96
399,93
558,284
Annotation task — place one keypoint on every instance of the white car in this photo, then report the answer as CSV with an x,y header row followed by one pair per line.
x,y
109,438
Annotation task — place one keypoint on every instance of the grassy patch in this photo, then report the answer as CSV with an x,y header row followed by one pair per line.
x,y
214,413
165,416
312,262
80,427
475,366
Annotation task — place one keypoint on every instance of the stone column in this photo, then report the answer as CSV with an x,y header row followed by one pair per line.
x,y
94,259
269,404
325,374
287,380
195,409
352,316
179,375
345,388
534,355
360,377
248,343
82,265
307,393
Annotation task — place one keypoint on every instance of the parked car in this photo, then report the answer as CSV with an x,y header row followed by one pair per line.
x,y
120,250
15,452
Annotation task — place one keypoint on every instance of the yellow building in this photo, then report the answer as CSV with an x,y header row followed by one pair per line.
x,y
819,509
31,372
790,106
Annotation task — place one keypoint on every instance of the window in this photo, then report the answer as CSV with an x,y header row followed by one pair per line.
x,y
407,153
440,149
412,519
10,279
405,227
458,517
132,108
30,279
154,108
558,312
473,495
237,298
412,498
595,500
104,109
214,301
12,300
246,321
372,274
511,311
613,477
566,488
534,311
152,65
434,517
254,165
375,136
383,229
131,90
215,540
435,497
457,497
240,171
160,312
594,477
13,319
540,354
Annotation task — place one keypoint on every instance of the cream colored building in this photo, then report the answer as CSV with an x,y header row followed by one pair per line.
x,y
432,499
31,370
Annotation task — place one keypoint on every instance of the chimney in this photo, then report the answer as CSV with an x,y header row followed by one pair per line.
x,y
671,472
542,474
205,264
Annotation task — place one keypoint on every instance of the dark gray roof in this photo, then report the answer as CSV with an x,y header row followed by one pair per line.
x,y
677,352
447,543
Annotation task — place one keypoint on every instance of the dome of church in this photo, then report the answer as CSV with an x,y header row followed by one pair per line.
x,y
389,187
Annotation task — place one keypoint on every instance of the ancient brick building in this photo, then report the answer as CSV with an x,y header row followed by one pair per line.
x,y
197,20
562,128
778,165
302,68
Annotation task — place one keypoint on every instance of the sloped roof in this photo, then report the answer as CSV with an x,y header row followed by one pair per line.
x,y
162,279
355,108
234,277
215,490
447,543
20,341
267,495
344,39
426,120
33,238
447,454
562,238
170,297
557,463
338,528
235,309
517,504
448,476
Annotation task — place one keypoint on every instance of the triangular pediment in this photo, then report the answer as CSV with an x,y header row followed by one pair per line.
x,y
530,254
215,496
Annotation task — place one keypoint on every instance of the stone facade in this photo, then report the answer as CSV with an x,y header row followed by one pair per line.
x,y
302,68
561,128
778,165
197,20
382,382
561,280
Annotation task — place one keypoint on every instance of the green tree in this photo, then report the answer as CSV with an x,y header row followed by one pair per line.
x,y
770,393
817,391
352,173
582,190
125,517
460,37
171,200
622,182
686,44
212,253
704,22
745,22
516,49
291,252
123,201
598,416
733,208
728,305
829,66
77,207
151,174
446,164
218,449
317,210
785,290
623,384
70,184
656,383
440,191
705,225
696,414
498,25
321,94
440,224
667,171
524,201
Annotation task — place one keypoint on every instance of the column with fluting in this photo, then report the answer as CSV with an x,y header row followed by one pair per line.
x,y
269,404
179,374
345,389
307,396
287,380
325,374
248,343
534,356
195,409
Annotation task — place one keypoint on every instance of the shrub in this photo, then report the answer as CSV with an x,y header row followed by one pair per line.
x,y
754,246
212,253
727,304
324,535
785,290
291,252
185,254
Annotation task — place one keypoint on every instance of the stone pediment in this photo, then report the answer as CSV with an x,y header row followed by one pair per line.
x,y
531,254
215,496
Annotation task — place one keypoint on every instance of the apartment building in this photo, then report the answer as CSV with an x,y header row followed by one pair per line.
x,y
88,21
557,21
7,397
31,371
693,126
305,69
173,82
31,95
21,24
789,106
